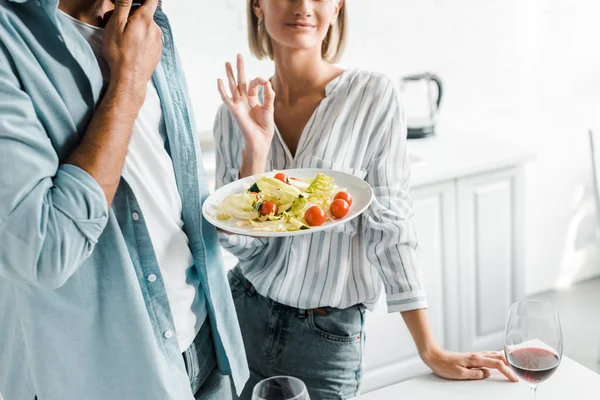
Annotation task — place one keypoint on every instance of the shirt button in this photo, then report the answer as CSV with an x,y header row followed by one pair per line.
x,y
38,3
151,277
135,216
61,38
168,334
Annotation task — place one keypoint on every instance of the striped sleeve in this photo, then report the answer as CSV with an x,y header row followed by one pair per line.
x,y
228,157
388,223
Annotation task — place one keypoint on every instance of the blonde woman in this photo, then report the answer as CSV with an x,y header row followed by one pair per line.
x,y
301,300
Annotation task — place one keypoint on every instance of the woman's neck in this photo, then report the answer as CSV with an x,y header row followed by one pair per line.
x,y
88,11
300,73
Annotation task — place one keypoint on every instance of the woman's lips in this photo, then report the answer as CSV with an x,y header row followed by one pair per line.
x,y
300,26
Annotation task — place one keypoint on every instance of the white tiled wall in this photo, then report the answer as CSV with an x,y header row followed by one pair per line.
x,y
524,70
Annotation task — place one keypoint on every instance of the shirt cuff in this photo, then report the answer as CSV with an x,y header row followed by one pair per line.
x,y
406,301
227,240
77,195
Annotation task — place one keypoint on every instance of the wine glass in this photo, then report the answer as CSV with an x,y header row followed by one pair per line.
x,y
533,342
280,388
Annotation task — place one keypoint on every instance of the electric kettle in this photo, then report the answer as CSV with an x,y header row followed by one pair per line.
x,y
422,95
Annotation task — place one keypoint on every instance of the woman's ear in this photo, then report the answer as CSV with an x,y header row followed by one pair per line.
x,y
257,9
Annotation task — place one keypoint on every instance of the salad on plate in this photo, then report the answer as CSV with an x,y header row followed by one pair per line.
x,y
286,204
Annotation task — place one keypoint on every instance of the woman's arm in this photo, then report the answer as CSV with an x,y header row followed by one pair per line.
x,y
447,364
392,246
255,121
241,153
388,224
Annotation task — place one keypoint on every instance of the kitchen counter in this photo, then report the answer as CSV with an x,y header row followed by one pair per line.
x,y
445,157
571,381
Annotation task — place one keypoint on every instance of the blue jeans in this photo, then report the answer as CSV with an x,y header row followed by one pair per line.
x,y
322,347
201,365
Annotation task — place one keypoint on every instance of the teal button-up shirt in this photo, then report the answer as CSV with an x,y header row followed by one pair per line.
x,y
79,318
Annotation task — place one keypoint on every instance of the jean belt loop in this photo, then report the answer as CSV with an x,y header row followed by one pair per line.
x,y
248,287
301,313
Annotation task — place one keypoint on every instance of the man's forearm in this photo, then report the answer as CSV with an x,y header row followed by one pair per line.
x,y
101,152
417,323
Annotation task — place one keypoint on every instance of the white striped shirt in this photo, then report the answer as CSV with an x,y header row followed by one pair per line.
x,y
359,128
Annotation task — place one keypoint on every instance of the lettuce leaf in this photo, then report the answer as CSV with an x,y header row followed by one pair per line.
x,y
240,206
276,191
321,184
297,209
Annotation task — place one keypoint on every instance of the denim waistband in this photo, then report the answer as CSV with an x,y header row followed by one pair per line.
x,y
301,312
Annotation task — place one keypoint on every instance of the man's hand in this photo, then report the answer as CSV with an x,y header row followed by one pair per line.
x,y
132,45
466,366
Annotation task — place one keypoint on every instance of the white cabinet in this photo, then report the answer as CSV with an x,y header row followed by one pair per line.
x,y
490,254
470,235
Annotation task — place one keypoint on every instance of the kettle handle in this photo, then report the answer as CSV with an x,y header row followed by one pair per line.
x,y
438,82
430,76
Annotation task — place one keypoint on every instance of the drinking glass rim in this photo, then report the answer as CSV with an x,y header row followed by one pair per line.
x,y
514,309
292,378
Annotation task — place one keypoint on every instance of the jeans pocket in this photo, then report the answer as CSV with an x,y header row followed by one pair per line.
x,y
338,325
236,285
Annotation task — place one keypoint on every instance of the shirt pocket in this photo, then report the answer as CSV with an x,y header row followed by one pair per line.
x,y
350,227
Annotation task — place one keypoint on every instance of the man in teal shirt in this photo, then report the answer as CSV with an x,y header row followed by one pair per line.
x,y
95,303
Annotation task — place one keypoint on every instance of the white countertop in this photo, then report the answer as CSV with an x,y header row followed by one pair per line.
x,y
451,155
571,381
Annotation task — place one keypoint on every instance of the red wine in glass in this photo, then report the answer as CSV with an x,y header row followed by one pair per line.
x,y
533,342
532,364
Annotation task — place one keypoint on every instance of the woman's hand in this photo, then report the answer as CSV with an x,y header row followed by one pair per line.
x,y
447,364
256,121
465,366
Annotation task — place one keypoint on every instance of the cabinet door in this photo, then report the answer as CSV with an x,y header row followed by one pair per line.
x,y
491,261
390,354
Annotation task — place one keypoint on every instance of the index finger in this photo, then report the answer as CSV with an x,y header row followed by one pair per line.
x,y
499,355
149,7
486,362
241,74
121,11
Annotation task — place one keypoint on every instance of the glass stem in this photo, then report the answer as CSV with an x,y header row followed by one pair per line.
x,y
534,391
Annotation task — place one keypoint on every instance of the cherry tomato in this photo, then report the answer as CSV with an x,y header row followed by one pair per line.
x,y
282,177
339,208
344,196
268,207
314,216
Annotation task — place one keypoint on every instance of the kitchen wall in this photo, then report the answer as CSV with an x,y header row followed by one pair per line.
x,y
527,71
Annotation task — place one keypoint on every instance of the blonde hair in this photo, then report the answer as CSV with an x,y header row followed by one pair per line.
x,y
332,47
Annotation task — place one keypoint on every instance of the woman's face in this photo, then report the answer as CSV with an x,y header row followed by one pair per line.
x,y
298,24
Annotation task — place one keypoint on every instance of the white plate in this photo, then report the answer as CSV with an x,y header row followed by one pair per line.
x,y
361,192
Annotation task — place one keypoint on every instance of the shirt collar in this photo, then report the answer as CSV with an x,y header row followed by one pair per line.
x,y
48,5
